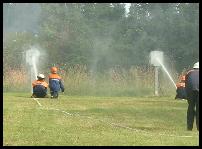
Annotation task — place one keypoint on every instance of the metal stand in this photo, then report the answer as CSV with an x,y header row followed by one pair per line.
x,y
156,81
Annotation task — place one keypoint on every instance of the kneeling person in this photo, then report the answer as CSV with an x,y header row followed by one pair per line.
x,y
55,83
181,92
39,87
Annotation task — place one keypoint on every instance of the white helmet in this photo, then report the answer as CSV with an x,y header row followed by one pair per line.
x,y
41,76
196,65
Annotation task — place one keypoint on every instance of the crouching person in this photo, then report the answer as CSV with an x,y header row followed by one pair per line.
x,y
181,92
39,87
55,83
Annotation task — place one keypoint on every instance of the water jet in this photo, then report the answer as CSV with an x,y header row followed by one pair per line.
x,y
156,59
32,57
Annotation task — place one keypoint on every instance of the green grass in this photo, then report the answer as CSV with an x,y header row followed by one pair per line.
x,y
95,121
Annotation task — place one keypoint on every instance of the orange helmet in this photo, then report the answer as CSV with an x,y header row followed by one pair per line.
x,y
54,69
183,78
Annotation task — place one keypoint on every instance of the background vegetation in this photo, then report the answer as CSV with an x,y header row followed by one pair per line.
x,y
101,51
100,38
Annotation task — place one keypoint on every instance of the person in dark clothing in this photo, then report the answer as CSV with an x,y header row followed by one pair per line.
x,y
192,90
39,87
180,91
55,83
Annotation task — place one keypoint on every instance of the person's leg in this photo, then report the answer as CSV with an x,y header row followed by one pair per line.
x,y
180,93
184,95
197,110
34,93
52,93
40,94
44,94
177,94
39,91
33,96
190,112
55,95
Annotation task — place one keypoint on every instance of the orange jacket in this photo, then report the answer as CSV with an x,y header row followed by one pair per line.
x,y
55,82
54,76
39,82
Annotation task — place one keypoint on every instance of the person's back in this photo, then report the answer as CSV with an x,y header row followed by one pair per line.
x,y
55,83
192,90
39,87
192,80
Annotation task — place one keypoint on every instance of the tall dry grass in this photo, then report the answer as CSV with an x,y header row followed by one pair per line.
x,y
78,80
15,79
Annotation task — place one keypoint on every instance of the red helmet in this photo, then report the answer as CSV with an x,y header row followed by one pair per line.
x,y
54,69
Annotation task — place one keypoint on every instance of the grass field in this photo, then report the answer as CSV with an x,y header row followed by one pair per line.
x,y
95,121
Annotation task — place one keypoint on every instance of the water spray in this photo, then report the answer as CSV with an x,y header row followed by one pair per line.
x,y
166,72
156,59
32,57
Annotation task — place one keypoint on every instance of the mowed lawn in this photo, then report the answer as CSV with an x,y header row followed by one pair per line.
x,y
95,121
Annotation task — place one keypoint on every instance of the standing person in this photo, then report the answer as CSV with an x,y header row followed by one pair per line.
x,y
192,89
180,92
39,87
55,83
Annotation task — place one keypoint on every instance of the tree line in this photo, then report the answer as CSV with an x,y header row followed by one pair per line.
x,y
101,35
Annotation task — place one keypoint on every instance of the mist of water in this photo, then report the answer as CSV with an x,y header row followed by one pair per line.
x,y
32,58
164,68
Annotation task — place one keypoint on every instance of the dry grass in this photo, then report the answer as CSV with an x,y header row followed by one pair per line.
x,y
78,80
15,79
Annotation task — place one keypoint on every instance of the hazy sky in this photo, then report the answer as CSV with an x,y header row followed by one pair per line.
x,y
23,21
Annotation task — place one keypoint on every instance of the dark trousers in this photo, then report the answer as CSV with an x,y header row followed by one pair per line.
x,y
193,102
39,91
39,94
54,94
181,93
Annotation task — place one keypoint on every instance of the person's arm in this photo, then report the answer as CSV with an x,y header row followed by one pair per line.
x,y
61,86
49,84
